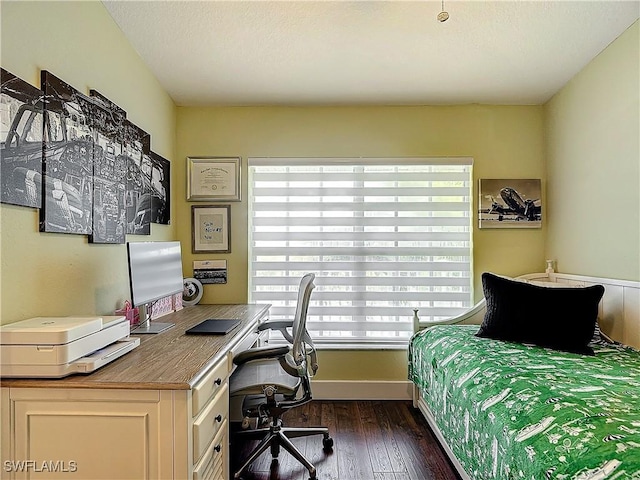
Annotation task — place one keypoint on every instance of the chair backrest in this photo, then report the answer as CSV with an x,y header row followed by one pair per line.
x,y
299,331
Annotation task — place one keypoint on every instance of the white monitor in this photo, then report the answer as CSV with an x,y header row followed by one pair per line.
x,y
155,272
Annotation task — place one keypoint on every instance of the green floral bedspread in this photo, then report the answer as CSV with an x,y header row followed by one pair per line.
x,y
511,411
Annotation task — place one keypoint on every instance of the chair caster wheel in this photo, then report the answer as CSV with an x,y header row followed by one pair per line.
x,y
327,443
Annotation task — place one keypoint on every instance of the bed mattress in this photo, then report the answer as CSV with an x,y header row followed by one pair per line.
x,y
513,411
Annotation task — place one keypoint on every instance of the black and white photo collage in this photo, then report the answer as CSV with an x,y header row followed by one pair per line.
x,y
79,160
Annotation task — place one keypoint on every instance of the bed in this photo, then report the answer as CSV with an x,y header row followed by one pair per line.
x,y
506,409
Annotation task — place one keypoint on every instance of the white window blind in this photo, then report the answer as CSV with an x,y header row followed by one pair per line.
x,y
383,236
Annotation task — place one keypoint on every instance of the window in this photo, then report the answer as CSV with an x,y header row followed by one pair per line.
x,y
383,236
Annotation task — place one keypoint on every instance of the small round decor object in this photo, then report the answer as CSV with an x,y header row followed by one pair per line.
x,y
192,292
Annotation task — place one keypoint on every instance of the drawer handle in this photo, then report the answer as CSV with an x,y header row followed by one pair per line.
x,y
218,381
217,448
218,418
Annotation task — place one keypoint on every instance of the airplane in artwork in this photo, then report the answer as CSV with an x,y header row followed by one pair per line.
x,y
514,208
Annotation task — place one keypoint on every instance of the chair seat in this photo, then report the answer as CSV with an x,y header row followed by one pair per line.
x,y
250,378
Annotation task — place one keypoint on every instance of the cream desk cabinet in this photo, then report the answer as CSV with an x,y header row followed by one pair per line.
x,y
160,411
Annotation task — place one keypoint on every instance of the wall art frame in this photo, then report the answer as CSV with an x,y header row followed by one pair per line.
x,y
210,271
161,188
109,171
68,159
211,228
21,119
510,203
214,179
137,145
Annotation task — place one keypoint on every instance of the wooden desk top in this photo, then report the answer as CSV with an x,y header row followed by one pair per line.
x,y
169,360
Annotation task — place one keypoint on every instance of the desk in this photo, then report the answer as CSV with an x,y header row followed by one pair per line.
x,y
160,411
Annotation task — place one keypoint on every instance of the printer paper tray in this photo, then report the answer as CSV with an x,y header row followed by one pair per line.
x,y
65,354
86,364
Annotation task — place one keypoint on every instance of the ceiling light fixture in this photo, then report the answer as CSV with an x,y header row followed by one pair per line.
x,y
443,16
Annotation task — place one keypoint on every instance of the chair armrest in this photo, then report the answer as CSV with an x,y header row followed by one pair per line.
x,y
260,353
275,325
280,325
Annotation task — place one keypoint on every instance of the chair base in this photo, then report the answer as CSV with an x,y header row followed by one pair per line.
x,y
276,436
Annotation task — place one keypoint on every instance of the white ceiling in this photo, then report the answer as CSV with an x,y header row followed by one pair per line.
x,y
368,52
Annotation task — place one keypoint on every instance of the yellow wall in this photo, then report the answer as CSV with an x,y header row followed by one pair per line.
x,y
56,274
505,142
593,171
589,132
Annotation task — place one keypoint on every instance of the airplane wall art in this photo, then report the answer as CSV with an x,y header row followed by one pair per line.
x,y
510,203
77,159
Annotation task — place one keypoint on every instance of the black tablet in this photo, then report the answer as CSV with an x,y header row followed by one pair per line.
x,y
214,326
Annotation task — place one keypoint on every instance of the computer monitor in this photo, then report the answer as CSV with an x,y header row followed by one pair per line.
x,y
155,272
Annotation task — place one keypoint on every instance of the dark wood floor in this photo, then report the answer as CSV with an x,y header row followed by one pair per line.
x,y
374,440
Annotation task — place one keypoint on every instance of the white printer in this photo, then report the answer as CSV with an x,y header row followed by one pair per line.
x,y
54,347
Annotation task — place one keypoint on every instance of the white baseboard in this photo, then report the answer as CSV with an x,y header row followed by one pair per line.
x,y
361,390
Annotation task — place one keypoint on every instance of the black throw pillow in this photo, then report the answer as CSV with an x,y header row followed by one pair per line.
x,y
557,318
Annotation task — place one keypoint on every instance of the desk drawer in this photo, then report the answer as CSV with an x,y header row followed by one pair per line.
x,y
213,465
207,425
209,386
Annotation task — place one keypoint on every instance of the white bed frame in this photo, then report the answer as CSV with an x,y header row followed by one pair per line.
x,y
618,317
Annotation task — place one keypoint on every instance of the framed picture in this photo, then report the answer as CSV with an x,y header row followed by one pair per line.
x,y
109,171
161,189
213,179
211,229
21,119
210,271
137,145
510,203
67,179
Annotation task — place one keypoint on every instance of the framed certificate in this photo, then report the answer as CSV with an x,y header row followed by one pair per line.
x,y
211,229
211,179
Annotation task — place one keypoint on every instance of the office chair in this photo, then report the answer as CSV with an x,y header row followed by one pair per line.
x,y
272,380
